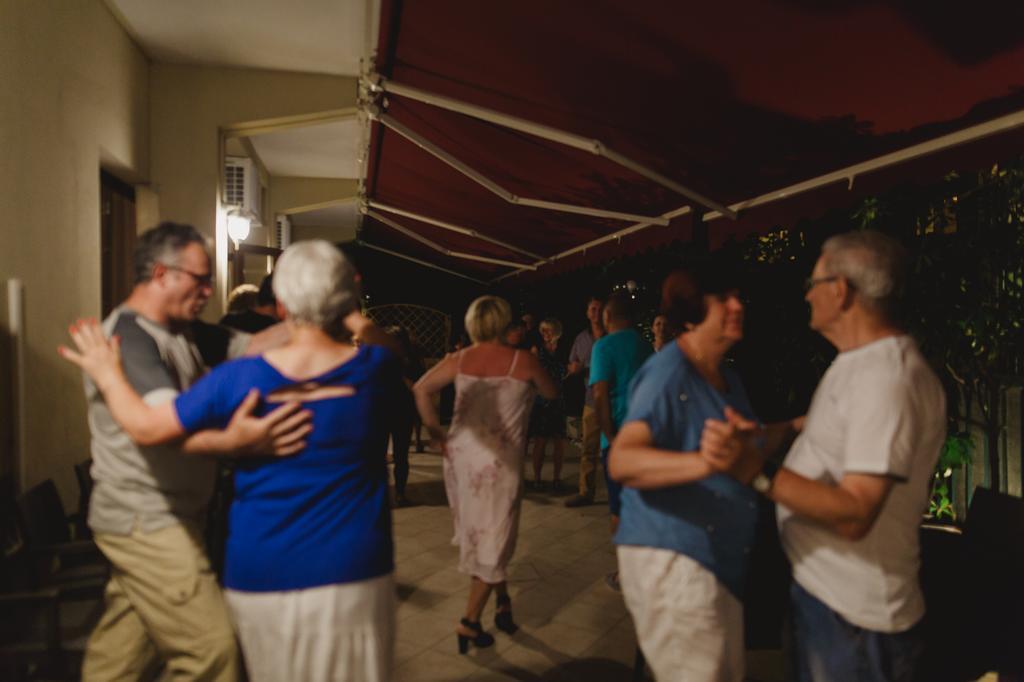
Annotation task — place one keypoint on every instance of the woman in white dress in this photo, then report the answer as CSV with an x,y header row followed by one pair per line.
x,y
483,454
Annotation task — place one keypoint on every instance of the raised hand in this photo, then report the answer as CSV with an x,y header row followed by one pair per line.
x,y
97,355
739,421
367,333
281,432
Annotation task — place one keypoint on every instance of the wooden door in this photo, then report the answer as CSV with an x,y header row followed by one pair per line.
x,y
117,240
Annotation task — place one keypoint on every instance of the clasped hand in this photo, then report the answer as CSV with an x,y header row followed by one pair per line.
x,y
729,446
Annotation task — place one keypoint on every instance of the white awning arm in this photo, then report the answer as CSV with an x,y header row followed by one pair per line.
x,y
432,149
452,227
554,134
488,259
492,116
426,264
494,187
407,232
412,234
597,242
847,174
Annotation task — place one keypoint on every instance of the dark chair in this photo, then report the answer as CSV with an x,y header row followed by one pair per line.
x,y
994,545
59,558
46,521
33,645
42,631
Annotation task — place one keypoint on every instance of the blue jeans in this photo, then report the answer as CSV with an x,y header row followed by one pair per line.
x,y
614,488
830,649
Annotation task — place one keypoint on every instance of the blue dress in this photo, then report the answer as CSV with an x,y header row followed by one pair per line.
x,y
322,516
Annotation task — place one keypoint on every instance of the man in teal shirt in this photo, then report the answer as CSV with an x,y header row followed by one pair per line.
x,y
615,359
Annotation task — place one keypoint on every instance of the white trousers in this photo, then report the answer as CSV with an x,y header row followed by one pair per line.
x,y
333,632
689,626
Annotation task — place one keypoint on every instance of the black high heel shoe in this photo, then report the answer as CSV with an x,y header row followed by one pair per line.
x,y
503,619
481,639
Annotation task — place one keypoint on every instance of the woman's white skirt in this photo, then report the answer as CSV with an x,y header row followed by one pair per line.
x,y
333,632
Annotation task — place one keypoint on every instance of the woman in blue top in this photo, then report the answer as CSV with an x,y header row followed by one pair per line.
x,y
309,557
686,530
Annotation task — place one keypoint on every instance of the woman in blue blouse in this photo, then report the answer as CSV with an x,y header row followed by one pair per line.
x,y
309,559
686,530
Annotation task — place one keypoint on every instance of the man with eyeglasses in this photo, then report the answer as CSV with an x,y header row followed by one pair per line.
x,y
163,603
856,482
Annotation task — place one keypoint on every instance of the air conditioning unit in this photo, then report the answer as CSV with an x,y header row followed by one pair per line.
x,y
283,233
242,189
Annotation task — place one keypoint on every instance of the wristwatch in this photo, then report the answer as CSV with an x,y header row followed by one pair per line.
x,y
762,482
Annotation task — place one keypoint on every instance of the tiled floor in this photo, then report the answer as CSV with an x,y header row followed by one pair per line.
x,y
572,625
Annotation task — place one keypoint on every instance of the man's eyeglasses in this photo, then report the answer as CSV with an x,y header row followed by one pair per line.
x,y
202,280
812,282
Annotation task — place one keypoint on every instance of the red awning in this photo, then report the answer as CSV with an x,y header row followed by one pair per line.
x,y
775,110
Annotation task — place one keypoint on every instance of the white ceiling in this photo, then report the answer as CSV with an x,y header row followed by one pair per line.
x,y
341,214
327,150
316,36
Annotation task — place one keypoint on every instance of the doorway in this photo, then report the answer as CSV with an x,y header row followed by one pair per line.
x,y
117,240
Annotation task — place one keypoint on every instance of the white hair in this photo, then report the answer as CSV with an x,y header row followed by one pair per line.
x,y
315,283
872,263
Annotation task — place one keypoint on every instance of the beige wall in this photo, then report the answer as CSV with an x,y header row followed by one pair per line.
x,y
331,233
189,106
75,98
255,269
147,208
79,95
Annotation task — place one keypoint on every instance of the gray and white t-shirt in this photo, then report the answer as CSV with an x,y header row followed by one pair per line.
x,y
879,410
152,487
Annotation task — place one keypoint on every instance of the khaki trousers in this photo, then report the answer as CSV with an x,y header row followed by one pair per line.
x,y
163,603
591,452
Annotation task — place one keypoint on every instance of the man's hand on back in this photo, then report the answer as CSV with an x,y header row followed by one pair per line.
x,y
281,432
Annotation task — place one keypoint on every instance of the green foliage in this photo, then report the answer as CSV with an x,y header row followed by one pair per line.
x,y
778,246
965,301
956,453
868,214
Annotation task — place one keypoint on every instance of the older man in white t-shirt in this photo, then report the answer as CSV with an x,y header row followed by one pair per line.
x,y
856,482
